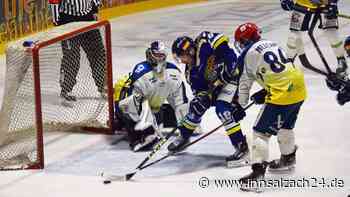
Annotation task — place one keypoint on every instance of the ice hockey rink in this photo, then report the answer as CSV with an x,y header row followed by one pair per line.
x,y
74,161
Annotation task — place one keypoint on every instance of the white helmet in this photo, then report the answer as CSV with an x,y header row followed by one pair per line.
x,y
156,55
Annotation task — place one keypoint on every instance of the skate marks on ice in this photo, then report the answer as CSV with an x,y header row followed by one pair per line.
x,y
224,19
119,159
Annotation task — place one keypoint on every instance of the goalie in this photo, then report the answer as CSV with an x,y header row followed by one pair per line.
x,y
140,96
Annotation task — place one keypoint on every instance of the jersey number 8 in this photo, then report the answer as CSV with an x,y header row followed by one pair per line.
x,y
273,60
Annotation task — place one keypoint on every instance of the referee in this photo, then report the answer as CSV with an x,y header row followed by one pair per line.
x,y
67,11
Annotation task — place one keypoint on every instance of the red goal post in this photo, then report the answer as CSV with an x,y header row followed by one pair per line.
x,y
33,103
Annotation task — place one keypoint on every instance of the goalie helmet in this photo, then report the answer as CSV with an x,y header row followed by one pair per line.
x,y
156,55
183,50
347,45
246,34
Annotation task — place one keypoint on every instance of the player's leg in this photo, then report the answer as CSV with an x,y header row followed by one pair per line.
x,y
267,124
225,110
299,23
69,68
330,25
286,140
198,106
233,129
95,51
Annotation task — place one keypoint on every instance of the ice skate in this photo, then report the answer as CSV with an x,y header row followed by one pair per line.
x,y
286,163
67,99
178,144
251,182
240,157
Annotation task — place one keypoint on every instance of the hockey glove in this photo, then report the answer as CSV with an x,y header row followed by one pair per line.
x,y
224,74
287,5
259,97
238,114
332,83
332,9
343,96
200,104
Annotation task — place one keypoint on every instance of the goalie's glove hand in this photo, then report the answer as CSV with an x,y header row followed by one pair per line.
x,y
200,104
287,5
343,96
332,10
259,97
332,82
238,113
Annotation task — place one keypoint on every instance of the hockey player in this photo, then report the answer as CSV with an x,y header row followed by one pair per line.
x,y
343,95
141,94
347,46
343,89
210,72
282,95
303,11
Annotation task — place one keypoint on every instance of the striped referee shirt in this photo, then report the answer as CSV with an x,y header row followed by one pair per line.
x,y
72,7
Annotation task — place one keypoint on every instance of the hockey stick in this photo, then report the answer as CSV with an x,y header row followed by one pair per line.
x,y
305,62
343,16
313,40
150,155
130,175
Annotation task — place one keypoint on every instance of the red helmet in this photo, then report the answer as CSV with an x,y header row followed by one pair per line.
x,y
247,33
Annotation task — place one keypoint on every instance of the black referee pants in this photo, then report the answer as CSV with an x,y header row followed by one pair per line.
x,y
92,44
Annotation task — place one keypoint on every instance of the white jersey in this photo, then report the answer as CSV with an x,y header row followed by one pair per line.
x,y
266,63
155,89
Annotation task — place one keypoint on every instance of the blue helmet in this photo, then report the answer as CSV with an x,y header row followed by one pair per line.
x,y
182,45
347,45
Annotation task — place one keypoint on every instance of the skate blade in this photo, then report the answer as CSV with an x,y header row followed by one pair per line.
x,y
251,189
285,170
66,103
238,163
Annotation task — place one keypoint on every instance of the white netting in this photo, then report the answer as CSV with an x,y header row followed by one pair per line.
x,y
58,63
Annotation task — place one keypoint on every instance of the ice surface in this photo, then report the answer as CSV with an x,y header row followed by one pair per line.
x,y
74,161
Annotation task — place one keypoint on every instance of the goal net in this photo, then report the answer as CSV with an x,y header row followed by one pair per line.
x,y
58,80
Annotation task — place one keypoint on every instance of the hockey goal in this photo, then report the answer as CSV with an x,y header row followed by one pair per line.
x,y
32,103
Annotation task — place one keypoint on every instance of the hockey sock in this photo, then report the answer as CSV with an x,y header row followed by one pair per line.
x,y
235,134
286,141
260,147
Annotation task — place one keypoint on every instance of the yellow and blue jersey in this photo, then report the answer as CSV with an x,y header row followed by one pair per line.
x,y
266,63
212,51
309,4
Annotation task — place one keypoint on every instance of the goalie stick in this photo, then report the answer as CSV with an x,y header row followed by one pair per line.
x,y
150,155
130,175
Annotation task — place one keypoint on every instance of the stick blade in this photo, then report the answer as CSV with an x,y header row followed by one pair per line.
x,y
114,178
129,176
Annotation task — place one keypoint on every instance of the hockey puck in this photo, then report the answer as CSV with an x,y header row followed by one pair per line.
x,y
106,182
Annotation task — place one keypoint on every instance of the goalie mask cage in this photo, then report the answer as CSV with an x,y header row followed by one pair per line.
x,y
32,104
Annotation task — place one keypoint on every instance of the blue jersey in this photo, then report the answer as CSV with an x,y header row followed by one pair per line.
x,y
214,63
